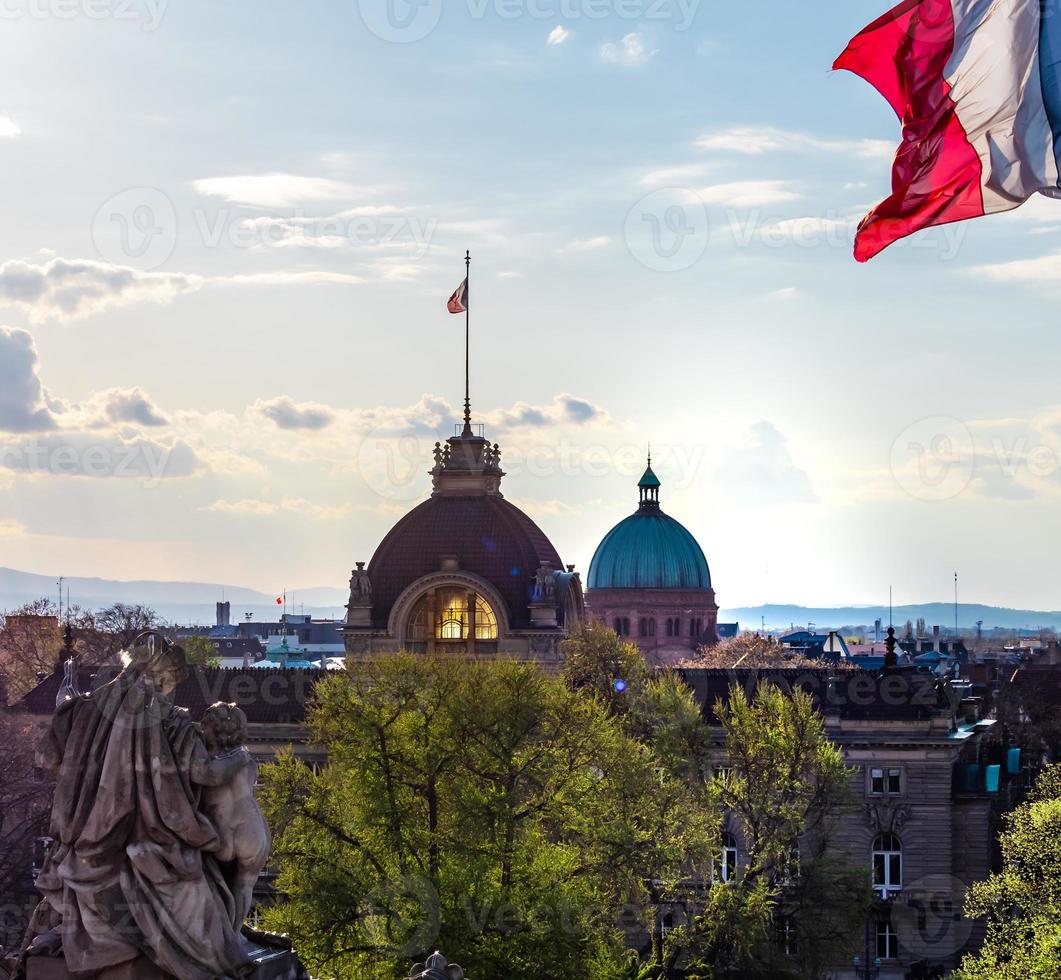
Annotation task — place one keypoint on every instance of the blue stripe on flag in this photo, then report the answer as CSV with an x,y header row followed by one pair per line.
x,y
1050,69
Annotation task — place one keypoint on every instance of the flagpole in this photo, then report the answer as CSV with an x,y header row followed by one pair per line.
x,y
467,344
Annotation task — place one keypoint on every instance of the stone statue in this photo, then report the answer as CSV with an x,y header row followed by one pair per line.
x,y
436,968
243,835
544,584
133,885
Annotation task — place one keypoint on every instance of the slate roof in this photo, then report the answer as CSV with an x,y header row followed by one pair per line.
x,y
486,534
852,694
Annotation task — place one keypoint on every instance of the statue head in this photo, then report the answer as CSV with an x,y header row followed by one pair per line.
x,y
224,727
154,657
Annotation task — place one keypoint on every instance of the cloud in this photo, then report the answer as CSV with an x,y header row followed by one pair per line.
x,y
677,175
287,414
762,471
23,404
757,140
749,193
309,278
74,288
130,406
558,36
784,294
100,455
8,128
630,51
275,190
1046,269
586,244
269,508
11,529
565,410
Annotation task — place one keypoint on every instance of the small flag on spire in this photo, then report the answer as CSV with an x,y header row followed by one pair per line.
x,y
458,302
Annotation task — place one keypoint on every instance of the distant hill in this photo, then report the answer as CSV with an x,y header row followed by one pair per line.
x,y
934,614
178,602
193,602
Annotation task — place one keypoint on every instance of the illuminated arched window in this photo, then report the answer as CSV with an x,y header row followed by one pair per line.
x,y
452,618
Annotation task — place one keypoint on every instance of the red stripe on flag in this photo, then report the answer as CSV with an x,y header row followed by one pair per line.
x,y
936,174
458,302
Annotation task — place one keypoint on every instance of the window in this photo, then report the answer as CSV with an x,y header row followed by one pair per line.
x,y
651,627
785,933
453,617
618,627
626,626
885,781
642,627
696,628
788,867
887,864
726,870
722,773
670,627
887,942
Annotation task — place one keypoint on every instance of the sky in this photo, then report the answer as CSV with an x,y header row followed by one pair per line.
x,y
230,231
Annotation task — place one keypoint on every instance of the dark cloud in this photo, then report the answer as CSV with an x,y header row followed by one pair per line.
x,y
23,402
131,406
287,414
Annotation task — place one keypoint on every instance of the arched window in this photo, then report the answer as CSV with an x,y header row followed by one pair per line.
x,y
726,869
618,626
651,627
887,864
453,617
626,626
642,627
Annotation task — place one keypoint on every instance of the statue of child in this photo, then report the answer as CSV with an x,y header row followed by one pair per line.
x,y
245,839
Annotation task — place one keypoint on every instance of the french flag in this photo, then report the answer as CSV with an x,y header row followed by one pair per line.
x,y
975,84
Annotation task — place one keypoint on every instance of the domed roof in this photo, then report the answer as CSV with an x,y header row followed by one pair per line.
x,y
649,550
468,521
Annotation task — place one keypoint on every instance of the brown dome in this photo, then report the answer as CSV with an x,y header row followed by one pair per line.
x,y
487,535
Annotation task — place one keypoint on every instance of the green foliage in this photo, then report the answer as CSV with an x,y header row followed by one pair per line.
x,y
198,650
483,808
595,658
1022,903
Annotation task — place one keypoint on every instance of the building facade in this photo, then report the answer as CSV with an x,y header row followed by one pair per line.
x,y
650,582
465,573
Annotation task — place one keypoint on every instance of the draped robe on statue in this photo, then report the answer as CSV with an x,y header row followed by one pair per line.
x,y
132,870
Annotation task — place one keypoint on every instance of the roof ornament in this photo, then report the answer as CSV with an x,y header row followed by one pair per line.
x,y
649,486
436,968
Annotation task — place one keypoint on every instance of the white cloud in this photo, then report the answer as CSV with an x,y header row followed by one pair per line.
x,y
269,508
586,244
1044,270
275,190
749,193
11,529
308,278
558,36
73,288
8,128
677,175
784,294
287,414
762,471
565,410
757,140
23,404
629,51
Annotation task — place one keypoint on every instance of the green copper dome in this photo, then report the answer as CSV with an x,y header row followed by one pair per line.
x,y
649,550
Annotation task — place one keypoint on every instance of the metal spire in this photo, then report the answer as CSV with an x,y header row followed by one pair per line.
x,y
467,345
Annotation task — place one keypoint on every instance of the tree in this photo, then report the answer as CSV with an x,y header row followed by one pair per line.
x,y
922,626
123,623
198,650
1022,903
784,791
598,661
483,807
25,801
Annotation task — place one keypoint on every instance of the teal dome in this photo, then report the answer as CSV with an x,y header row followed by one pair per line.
x,y
649,550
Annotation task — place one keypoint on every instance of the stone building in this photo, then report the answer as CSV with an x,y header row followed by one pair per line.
x,y
926,791
649,581
466,572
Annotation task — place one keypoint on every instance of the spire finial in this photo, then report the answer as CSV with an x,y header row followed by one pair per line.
x,y
650,455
